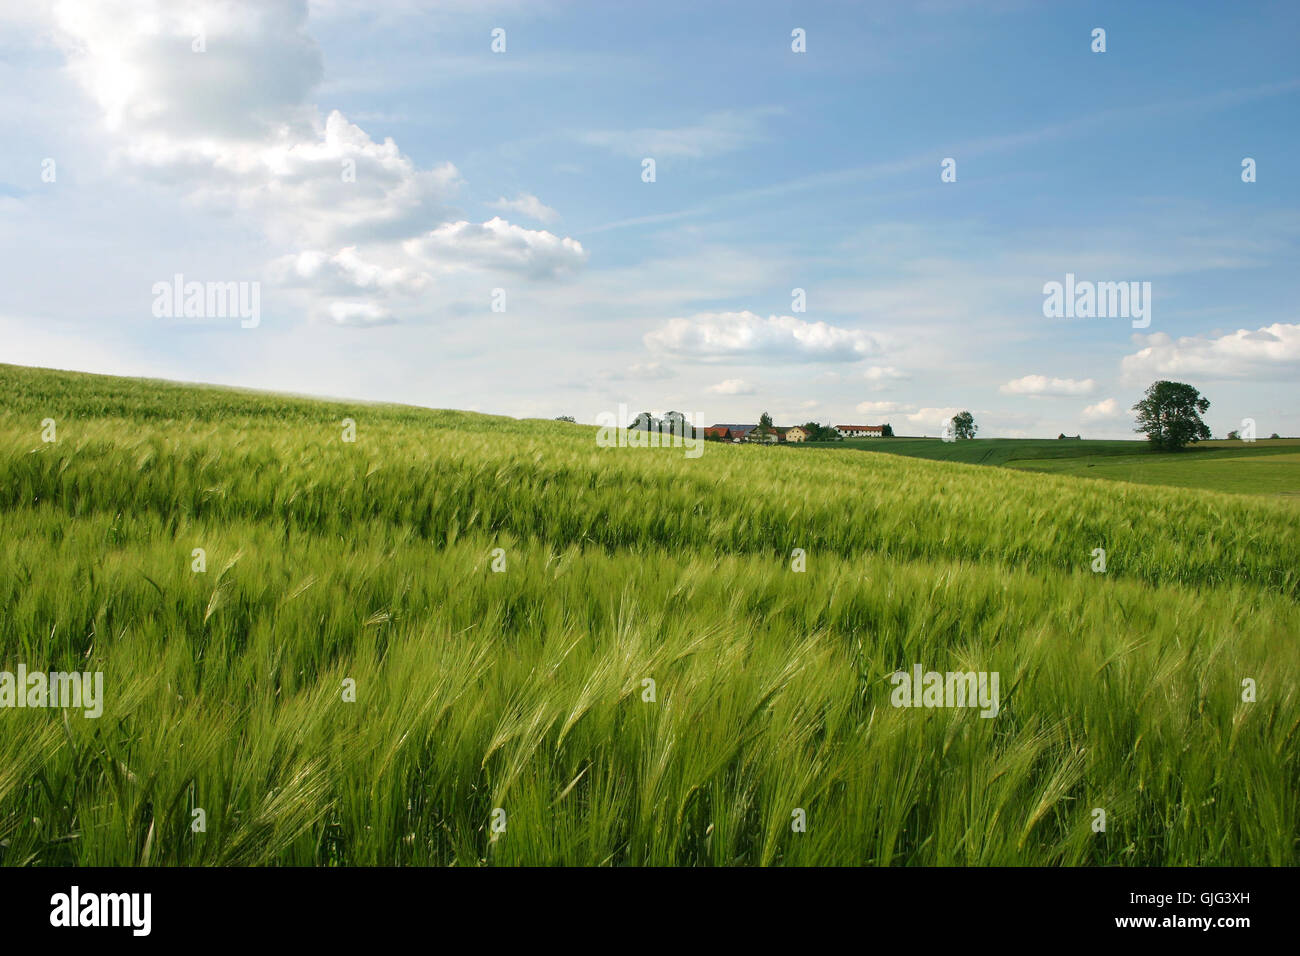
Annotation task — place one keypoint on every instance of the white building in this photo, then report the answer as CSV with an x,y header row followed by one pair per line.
x,y
861,431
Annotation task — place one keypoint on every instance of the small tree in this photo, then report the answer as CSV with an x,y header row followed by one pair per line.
x,y
1170,415
675,423
887,431
1233,435
963,425
1275,435
565,418
644,422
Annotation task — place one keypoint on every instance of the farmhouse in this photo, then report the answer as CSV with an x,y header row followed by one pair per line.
x,y
737,432
776,435
861,431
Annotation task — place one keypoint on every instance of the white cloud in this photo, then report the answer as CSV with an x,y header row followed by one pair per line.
x,y
527,205
712,335
933,417
1271,352
1103,410
881,375
641,371
359,313
1042,385
733,386
496,244
879,408
344,272
364,284
232,126
302,191
136,58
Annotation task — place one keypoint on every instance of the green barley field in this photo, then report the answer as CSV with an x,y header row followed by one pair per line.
x,y
646,679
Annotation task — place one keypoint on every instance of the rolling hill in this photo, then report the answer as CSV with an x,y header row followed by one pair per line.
x,y
463,639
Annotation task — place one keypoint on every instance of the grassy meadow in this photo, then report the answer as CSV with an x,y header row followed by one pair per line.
x,y
524,690
1258,468
986,451
1263,467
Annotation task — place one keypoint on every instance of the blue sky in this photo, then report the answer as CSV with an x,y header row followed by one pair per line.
x,y
775,170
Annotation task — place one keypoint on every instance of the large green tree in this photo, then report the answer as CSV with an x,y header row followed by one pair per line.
x,y
819,432
963,425
1170,415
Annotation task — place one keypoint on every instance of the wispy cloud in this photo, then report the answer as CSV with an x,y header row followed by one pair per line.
x,y
929,159
733,386
720,335
1039,385
717,133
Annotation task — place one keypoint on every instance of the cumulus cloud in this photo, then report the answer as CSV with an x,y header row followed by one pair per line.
x,y
733,386
717,335
344,272
1042,385
1105,409
213,99
1270,352
496,244
527,205
232,124
141,61
345,288
341,185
